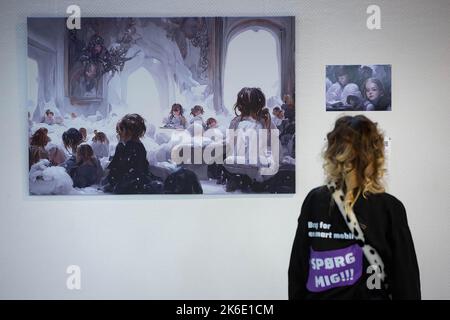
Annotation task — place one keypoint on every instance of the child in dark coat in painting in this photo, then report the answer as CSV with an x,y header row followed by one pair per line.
x,y
88,170
129,169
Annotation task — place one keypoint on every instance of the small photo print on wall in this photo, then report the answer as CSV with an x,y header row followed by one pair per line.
x,y
161,105
358,87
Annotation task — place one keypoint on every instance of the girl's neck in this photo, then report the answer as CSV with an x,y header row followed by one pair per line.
x,y
252,116
132,140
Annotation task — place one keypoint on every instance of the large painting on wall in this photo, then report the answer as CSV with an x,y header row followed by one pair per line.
x,y
195,105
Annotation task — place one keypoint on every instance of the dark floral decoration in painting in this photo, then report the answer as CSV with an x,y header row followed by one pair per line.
x,y
98,60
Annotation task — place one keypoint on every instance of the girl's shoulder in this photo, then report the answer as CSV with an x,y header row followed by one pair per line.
x,y
234,122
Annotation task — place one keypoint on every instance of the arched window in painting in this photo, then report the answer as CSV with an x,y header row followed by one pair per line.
x,y
143,96
252,61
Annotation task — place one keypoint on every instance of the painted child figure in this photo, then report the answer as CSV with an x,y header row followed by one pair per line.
x,y
128,172
72,138
83,132
278,116
252,116
196,113
175,120
49,117
376,96
88,170
100,144
36,149
211,123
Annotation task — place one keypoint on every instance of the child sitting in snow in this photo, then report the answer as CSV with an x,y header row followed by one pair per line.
x,y
71,138
129,169
88,170
211,123
252,116
100,144
374,92
278,116
83,132
196,113
176,120
36,150
49,117
56,155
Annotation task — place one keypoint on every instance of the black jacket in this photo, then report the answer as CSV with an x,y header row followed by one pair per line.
x,y
129,171
322,232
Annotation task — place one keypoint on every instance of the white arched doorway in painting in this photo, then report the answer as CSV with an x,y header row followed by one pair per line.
x,y
252,60
143,96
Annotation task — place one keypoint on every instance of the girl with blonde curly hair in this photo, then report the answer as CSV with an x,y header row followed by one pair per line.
x,y
353,239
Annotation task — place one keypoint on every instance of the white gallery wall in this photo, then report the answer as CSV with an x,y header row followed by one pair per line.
x,y
230,247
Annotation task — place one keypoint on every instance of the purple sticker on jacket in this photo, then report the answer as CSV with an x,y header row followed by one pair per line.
x,y
334,268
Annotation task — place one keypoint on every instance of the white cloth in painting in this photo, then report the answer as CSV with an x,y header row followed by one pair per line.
x,y
46,180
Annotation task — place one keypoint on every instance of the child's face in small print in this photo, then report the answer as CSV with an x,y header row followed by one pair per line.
x,y
372,91
213,124
176,112
344,79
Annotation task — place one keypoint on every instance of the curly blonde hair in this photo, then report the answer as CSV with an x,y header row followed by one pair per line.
x,y
354,157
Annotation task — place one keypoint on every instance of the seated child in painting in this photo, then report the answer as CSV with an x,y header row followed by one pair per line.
x,y
375,94
197,112
336,95
71,138
252,115
36,150
83,132
56,156
175,120
278,116
211,123
49,117
128,171
355,103
266,119
215,170
100,144
88,170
